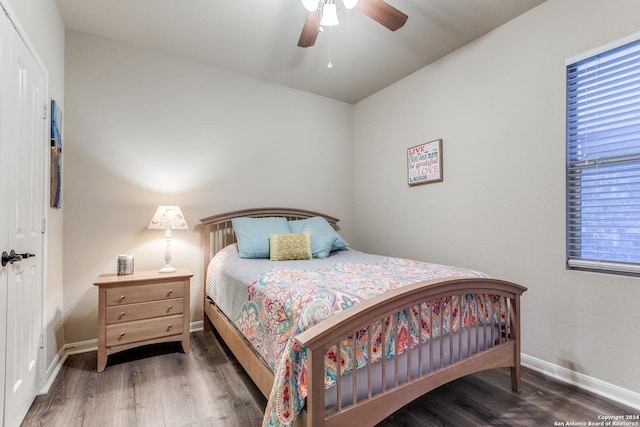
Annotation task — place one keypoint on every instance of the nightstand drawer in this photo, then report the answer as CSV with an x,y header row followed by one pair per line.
x,y
143,330
144,310
142,293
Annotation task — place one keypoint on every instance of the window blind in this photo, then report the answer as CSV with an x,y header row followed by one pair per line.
x,y
603,161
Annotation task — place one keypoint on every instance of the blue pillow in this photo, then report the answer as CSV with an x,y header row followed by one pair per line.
x,y
252,234
324,238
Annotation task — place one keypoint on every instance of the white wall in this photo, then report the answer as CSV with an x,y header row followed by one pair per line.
x,y
40,23
143,129
498,104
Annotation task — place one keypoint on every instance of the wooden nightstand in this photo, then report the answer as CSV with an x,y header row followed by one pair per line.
x,y
142,308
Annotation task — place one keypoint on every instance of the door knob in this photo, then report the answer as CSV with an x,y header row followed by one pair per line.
x,y
12,256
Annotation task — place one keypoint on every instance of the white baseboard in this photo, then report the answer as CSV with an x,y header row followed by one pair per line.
x,y
81,347
196,326
84,347
596,386
61,357
53,369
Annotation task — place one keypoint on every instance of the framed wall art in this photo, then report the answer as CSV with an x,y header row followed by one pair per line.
x,y
424,163
55,181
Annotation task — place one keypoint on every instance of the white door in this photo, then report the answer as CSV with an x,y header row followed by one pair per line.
x,y
24,142
5,28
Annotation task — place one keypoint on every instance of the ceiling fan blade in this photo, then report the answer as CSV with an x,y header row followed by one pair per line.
x,y
382,13
310,29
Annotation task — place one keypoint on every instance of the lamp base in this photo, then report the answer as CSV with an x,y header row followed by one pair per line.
x,y
167,269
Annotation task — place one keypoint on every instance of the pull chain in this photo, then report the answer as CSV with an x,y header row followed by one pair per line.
x,y
330,65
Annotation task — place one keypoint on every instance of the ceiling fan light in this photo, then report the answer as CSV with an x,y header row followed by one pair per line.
x,y
329,15
310,5
350,4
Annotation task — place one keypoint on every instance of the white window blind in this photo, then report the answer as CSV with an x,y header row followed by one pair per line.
x,y
603,161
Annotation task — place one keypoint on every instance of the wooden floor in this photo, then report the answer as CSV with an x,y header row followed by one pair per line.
x,y
159,386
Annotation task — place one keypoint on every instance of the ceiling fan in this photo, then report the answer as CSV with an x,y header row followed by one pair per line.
x,y
323,13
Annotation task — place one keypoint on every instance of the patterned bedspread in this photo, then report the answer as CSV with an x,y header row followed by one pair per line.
x,y
284,302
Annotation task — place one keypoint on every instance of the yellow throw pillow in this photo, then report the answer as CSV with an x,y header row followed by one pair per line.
x,y
289,246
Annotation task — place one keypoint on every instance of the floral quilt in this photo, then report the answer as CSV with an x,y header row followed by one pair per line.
x,y
285,302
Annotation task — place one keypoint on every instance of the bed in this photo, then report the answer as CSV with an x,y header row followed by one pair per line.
x,y
353,353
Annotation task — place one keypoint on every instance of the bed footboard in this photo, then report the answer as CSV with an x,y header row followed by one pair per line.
x,y
482,331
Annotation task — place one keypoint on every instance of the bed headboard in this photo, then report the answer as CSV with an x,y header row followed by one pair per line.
x,y
218,231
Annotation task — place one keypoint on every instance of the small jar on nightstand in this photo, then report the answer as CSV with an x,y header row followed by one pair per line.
x,y
145,307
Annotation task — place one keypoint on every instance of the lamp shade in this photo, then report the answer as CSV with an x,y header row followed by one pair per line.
x,y
310,5
329,14
350,4
168,218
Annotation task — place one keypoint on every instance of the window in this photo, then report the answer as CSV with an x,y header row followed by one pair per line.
x,y
603,161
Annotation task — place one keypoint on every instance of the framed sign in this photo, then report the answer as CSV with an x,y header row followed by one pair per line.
x,y
424,163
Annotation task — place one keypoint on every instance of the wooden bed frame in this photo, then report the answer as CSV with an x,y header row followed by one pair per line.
x,y
377,405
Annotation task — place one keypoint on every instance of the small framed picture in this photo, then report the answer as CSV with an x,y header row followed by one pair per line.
x,y
424,163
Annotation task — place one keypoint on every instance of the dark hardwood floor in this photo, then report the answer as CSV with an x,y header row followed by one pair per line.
x,y
158,386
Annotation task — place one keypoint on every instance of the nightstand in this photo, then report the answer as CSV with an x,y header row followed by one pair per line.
x,y
146,307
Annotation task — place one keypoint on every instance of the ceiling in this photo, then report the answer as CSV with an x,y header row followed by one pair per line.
x,y
259,37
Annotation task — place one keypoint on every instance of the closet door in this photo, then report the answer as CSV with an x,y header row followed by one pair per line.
x,y
5,28
24,143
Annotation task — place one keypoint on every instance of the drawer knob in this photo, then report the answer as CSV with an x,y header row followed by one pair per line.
x,y
169,327
121,297
170,307
170,292
122,315
121,334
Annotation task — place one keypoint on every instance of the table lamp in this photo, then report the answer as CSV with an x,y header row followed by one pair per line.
x,y
168,218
